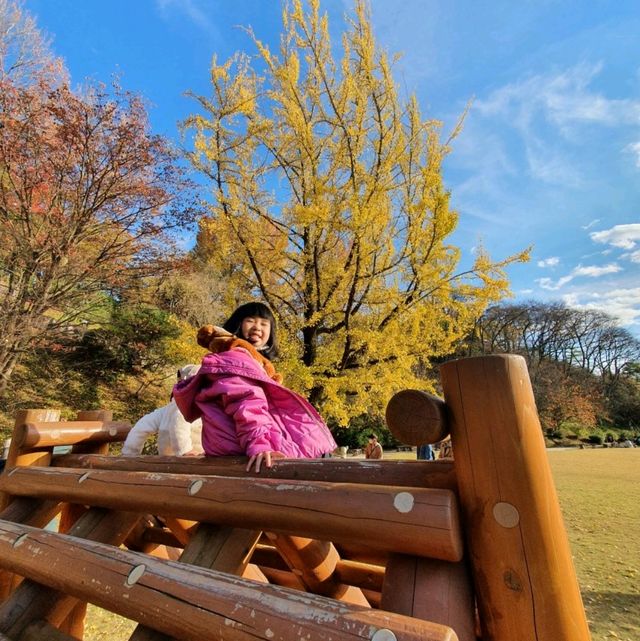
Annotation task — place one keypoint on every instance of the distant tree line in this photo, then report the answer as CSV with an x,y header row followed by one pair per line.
x,y
584,366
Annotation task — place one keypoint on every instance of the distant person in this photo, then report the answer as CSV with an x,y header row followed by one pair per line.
x,y
425,452
176,436
373,449
445,451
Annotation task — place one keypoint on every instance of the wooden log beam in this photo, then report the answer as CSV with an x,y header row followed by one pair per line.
x,y
218,548
49,434
43,631
417,521
415,417
193,603
434,474
314,563
365,576
31,601
34,512
526,584
16,456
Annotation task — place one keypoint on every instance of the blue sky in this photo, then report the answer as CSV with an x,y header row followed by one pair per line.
x,y
550,152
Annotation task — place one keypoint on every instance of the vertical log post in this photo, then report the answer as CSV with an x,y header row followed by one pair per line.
x,y
34,456
525,580
74,623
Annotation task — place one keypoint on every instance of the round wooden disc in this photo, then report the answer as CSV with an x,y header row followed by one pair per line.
x,y
416,418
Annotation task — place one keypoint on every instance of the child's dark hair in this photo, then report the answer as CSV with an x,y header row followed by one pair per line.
x,y
256,310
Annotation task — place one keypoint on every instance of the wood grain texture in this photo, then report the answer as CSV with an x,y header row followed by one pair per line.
x,y
417,521
525,582
193,603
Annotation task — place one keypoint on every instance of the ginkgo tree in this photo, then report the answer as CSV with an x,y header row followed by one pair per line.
x,y
327,197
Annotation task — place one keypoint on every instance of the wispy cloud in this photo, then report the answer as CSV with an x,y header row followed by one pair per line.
x,y
591,271
552,261
623,236
634,148
593,223
191,9
547,110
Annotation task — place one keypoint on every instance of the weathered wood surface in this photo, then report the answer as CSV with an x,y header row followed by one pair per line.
x,y
217,548
417,521
432,474
34,512
193,603
525,582
33,600
415,417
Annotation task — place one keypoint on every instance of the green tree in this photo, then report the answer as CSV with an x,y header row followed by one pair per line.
x,y
328,196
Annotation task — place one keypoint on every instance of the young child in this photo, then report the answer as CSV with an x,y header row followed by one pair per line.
x,y
244,411
176,437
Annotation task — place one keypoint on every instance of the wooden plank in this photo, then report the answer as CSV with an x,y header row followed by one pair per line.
x,y
31,601
526,585
408,520
434,474
432,590
194,603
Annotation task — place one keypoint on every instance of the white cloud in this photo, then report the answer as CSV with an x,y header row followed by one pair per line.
x,y
591,224
549,262
623,236
634,148
592,271
622,303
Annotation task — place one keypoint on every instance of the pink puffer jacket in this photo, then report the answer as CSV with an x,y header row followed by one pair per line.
x,y
243,411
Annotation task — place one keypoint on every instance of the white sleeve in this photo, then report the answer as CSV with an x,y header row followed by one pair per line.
x,y
180,431
143,429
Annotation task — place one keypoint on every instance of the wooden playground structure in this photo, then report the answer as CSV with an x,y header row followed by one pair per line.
x,y
333,549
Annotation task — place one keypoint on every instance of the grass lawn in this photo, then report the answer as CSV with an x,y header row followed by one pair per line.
x,y
599,492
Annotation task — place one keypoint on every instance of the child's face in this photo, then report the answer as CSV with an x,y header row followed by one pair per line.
x,y
256,330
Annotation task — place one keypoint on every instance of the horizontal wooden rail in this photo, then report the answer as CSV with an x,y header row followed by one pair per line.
x,y
434,474
48,434
192,603
419,521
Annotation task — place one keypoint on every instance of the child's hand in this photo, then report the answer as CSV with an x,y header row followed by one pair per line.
x,y
267,457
